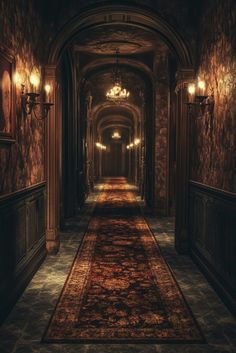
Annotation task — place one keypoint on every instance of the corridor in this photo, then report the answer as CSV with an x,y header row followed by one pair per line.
x,y
28,321
117,176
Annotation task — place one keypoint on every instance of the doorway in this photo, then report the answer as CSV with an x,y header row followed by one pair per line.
x,y
113,161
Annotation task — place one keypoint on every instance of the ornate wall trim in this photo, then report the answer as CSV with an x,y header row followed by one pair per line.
x,y
22,192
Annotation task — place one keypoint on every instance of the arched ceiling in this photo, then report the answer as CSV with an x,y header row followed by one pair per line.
x,y
127,39
115,121
116,117
126,17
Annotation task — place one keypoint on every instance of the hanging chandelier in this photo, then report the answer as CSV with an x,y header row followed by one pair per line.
x,y
116,135
117,93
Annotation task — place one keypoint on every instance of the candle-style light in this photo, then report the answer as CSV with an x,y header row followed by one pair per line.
x,y
202,87
197,97
100,146
35,81
29,100
191,92
47,89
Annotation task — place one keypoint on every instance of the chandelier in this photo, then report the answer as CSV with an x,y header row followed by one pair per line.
x,y
116,135
117,93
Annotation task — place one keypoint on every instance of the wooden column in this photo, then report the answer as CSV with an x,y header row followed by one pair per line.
x,y
184,76
53,131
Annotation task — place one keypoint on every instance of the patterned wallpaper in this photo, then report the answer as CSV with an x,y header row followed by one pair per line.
x,y
22,163
161,129
213,140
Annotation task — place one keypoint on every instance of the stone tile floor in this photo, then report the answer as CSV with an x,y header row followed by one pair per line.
x,y
25,325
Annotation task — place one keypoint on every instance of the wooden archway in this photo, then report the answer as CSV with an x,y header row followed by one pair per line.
x,y
94,18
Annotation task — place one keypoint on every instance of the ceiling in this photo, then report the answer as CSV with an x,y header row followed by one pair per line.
x,y
126,38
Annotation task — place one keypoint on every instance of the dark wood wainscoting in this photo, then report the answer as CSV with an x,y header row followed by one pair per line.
x,y
22,242
212,225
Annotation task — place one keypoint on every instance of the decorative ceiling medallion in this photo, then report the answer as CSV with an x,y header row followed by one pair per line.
x,y
110,46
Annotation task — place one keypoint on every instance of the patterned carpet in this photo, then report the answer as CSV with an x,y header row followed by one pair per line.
x,y
120,288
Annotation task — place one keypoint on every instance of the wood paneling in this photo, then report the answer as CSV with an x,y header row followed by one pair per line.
x,y
22,241
212,225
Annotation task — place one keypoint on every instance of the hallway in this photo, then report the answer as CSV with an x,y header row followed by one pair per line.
x,y
25,326
117,121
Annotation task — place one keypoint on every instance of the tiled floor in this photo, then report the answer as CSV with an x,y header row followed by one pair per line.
x,y
24,327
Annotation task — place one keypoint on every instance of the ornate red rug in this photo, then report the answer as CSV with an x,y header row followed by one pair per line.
x,y
120,288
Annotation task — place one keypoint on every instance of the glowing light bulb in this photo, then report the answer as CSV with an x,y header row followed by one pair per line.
x,y
17,79
191,89
191,92
47,88
34,80
201,86
137,142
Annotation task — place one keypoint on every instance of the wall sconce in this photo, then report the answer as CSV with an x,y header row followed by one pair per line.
x,y
133,144
100,146
198,98
29,100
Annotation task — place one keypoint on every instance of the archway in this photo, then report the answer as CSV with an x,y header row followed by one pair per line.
x,y
96,18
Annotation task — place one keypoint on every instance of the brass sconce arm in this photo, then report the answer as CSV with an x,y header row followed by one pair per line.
x,y
29,104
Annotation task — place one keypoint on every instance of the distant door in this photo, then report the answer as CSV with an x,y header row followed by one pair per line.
x,y
113,161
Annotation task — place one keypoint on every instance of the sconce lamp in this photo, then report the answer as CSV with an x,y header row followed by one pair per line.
x,y
198,98
133,144
29,100
100,146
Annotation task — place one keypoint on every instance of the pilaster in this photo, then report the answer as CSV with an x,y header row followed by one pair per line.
x,y
184,76
52,165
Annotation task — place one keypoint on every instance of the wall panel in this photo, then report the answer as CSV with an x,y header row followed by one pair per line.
x,y
22,241
212,225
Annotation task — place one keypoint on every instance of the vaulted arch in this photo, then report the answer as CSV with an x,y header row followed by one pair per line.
x,y
120,14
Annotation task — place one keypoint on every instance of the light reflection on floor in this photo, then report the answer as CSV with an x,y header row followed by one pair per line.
x,y
25,325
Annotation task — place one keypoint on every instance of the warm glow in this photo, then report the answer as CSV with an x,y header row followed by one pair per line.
x,y
117,93
100,146
34,79
116,135
201,85
133,144
17,79
191,89
47,88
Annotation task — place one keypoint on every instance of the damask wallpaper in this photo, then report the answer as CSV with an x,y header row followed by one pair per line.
x,y
22,162
213,137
